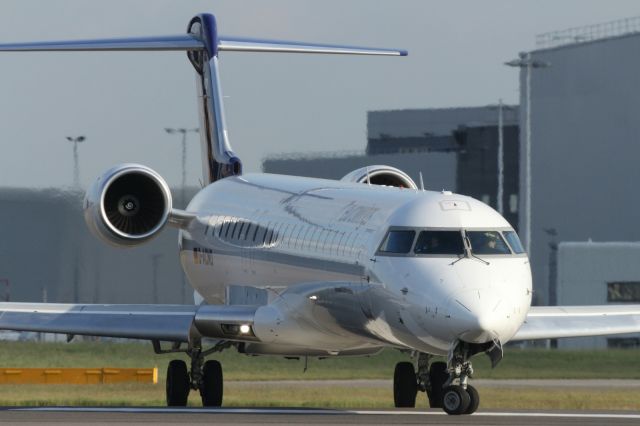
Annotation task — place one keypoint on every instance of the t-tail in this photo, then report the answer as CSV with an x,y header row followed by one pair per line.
x,y
203,44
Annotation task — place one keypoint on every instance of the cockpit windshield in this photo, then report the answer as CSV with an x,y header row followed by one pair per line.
x,y
398,242
450,242
439,242
514,241
487,242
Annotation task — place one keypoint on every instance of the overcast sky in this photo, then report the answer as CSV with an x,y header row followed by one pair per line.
x,y
274,103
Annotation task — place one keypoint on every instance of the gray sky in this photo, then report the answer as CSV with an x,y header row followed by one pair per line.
x,y
274,103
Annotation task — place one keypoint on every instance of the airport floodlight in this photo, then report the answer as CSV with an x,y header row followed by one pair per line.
x,y
500,107
526,62
76,170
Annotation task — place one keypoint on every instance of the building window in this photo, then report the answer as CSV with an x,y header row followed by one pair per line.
x,y
623,291
513,203
623,342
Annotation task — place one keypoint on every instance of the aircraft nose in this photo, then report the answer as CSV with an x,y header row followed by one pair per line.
x,y
475,315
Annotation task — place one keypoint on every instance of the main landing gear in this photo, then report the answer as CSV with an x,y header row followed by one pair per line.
x,y
445,389
206,377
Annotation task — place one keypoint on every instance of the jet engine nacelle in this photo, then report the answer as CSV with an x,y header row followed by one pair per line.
x,y
381,175
128,205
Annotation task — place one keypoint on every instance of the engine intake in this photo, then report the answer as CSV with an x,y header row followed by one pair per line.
x,y
381,175
127,205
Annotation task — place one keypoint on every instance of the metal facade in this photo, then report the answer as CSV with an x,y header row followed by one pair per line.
x,y
585,147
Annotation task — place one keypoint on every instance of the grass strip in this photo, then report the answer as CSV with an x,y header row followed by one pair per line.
x,y
517,363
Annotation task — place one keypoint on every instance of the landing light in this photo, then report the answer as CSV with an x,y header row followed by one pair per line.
x,y
244,329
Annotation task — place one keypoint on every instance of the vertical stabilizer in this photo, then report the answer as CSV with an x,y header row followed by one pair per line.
x,y
218,160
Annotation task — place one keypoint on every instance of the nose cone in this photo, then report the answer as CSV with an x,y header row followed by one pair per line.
x,y
475,316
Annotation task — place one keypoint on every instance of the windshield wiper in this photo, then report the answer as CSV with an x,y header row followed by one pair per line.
x,y
468,253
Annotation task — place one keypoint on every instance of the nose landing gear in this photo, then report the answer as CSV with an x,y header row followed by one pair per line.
x,y
446,388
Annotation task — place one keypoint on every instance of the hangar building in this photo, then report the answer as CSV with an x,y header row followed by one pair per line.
x,y
599,273
585,141
48,254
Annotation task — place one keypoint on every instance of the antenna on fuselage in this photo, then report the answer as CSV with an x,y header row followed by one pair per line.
x,y
368,177
202,44
421,181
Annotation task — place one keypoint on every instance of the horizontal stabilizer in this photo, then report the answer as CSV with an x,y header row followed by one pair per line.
x,y
256,45
189,42
182,42
552,322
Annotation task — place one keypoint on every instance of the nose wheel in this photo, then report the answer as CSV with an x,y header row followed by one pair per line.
x,y
455,400
445,388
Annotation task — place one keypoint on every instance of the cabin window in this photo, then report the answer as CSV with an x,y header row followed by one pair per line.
x,y
243,224
439,242
298,240
487,242
273,235
226,231
514,241
398,242
307,237
313,238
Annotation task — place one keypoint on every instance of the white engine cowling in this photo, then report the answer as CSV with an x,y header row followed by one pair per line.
x,y
381,175
128,205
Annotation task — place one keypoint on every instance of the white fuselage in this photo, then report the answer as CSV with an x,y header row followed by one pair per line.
x,y
310,250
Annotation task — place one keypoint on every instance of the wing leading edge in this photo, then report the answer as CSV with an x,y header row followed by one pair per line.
x,y
551,322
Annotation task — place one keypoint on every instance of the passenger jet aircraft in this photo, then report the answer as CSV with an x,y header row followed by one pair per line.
x,y
300,267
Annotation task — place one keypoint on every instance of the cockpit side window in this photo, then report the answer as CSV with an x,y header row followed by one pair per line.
x,y
398,242
514,241
439,242
487,242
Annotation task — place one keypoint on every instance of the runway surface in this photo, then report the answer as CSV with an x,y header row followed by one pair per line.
x,y
249,416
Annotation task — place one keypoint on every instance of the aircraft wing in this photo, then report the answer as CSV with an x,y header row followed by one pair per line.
x,y
551,322
175,323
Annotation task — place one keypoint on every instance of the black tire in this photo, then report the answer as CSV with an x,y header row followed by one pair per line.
x,y
405,385
438,376
212,382
474,400
456,400
178,385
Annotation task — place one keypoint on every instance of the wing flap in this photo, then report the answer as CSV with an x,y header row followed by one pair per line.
x,y
551,322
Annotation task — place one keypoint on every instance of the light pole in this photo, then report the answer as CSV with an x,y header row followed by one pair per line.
x,y
525,61
501,107
76,171
183,132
